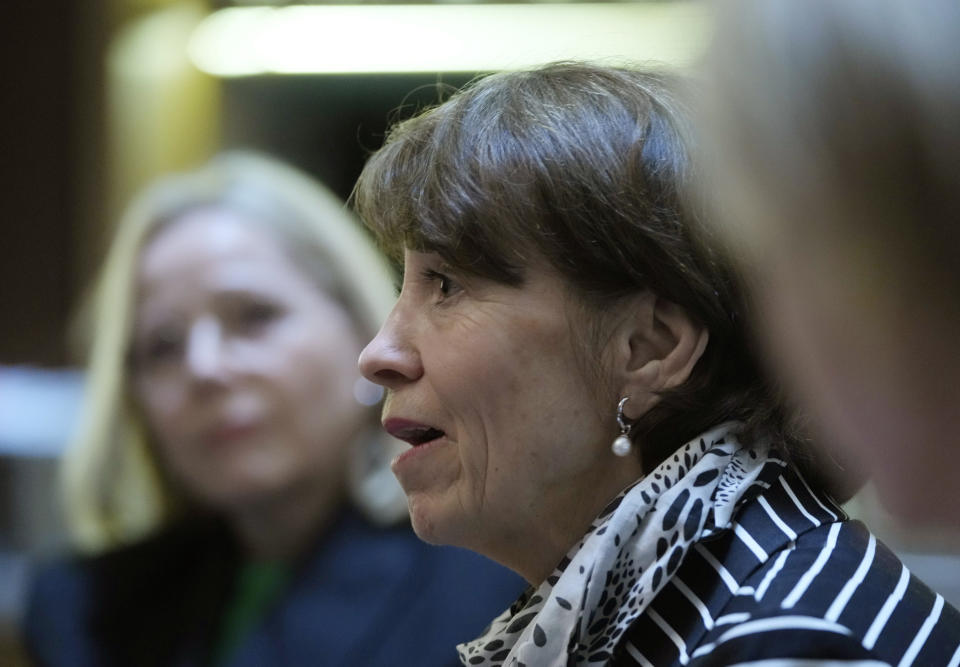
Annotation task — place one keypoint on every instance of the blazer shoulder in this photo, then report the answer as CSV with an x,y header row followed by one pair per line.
x,y
105,608
56,620
781,637
835,589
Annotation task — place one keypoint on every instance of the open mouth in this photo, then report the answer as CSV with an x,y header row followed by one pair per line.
x,y
412,432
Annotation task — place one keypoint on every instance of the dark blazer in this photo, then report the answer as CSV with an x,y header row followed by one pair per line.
x,y
365,596
795,581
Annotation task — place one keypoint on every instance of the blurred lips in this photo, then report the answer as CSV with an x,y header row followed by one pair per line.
x,y
227,432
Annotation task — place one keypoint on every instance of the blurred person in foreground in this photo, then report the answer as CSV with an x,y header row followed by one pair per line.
x,y
833,129
229,483
571,368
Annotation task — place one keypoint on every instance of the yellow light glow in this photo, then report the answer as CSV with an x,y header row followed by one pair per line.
x,y
244,41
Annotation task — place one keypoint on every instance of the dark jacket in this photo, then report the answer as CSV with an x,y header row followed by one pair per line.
x,y
793,583
365,596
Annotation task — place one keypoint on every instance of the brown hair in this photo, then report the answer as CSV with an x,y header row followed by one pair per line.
x,y
581,165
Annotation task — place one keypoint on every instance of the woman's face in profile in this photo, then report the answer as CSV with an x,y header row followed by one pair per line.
x,y
487,381
243,368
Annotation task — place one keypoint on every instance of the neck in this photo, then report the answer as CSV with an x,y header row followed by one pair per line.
x,y
546,537
282,527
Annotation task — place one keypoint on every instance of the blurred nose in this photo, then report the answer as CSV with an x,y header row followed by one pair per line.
x,y
391,359
205,351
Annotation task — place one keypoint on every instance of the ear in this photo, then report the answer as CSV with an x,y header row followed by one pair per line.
x,y
659,345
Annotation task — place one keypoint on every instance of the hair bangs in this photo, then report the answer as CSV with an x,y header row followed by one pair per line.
x,y
448,182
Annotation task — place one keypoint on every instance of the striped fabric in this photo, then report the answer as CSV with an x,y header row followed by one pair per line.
x,y
795,583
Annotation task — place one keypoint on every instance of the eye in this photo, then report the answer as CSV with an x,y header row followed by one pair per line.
x,y
253,315
161,346
445,285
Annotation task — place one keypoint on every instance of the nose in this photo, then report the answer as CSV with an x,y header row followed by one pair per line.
x,y
205,351
391,359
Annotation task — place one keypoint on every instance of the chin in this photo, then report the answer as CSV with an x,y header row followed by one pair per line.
x,y
239,493
432,525
422,522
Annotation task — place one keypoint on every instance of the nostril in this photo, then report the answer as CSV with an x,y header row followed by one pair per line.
x,y
388,377
388,364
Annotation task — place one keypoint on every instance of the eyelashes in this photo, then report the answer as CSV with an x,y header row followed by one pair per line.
x,y
433,279
446,286
441,280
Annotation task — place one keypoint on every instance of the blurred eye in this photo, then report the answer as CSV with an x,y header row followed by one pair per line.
x,y
254,315
160,347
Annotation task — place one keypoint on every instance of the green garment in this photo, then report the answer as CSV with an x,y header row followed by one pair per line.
x,y
258,585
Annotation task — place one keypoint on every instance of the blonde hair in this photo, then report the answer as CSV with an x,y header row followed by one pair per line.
x,y
113,488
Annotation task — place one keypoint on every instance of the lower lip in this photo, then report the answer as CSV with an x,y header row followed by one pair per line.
x,y
417,452
233,433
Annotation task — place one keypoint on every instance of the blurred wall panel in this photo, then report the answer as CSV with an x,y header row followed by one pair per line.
x,y
162,113
326,124
98,99
41,147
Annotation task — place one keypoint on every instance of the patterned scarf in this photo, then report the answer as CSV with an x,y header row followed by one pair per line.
x,y
580,613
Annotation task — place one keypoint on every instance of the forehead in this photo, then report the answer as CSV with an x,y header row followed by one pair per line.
x,y
214,247
208,233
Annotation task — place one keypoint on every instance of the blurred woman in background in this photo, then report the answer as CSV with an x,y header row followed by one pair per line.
x,y
835,167
228,484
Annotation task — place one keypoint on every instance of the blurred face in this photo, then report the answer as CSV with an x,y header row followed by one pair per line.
x,y
874,363
243,368
486,382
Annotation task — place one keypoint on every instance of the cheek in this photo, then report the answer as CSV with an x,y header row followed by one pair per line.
x,y
317,382
163,408
475,388
491,383
518,406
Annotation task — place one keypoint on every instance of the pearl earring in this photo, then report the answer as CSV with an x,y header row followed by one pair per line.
x,y
622,445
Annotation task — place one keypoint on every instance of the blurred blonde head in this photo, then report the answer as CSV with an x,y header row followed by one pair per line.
x,y
833,143
115,490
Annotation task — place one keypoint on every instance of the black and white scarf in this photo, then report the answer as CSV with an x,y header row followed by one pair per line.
x,y
580,613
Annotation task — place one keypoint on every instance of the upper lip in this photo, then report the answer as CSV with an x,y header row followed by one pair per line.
x,y
416,433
